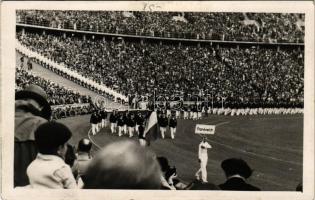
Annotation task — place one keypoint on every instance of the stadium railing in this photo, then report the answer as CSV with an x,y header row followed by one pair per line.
x,y
191,37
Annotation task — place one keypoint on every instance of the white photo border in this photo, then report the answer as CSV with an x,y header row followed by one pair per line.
x,y
8,31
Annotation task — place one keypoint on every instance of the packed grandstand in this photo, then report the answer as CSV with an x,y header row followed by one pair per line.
x,y
224,75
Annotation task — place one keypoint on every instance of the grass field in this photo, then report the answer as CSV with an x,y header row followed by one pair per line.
x,y
271,144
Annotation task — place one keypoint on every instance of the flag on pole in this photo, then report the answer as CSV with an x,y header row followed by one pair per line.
x,y
151,128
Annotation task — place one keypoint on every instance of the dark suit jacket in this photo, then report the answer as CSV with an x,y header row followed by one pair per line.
x,y
237,184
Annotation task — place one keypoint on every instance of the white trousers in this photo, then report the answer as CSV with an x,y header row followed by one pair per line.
x,y
113,127
185,115
195,115
202,170
163,130
177,113
94,129
131,131
142,142
120,130
173,131
103,123
125,129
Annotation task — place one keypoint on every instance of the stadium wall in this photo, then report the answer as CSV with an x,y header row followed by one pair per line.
x,y
110,36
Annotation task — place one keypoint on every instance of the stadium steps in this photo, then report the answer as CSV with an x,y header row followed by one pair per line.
x,y
40,71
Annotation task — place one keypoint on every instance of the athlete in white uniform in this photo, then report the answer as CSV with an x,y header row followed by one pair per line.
x,y
203,159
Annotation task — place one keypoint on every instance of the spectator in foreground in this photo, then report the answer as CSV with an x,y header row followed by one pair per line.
x,y
169,177
83,159
31,110
237,171
49,169
123,165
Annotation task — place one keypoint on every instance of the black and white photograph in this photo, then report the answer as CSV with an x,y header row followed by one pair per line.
x,y
160,98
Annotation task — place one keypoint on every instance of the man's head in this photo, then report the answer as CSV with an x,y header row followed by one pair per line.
x,y
84,145
123,165
236,166
51,138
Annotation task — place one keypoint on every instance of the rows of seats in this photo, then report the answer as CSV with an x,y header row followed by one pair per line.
x,y
255,27
236,74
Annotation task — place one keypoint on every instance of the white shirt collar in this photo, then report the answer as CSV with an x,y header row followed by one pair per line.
x,y
48,157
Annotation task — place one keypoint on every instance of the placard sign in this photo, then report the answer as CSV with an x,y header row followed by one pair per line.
x,y
204,129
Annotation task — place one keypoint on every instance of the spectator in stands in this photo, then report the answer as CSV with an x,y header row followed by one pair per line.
x,y
233,70
49,170
31,110
83,159
256,27
29,65
123,165
237,171
56,94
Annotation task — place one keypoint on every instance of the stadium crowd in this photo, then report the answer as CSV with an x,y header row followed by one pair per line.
x,y
57,95
64,102
241,77
264,27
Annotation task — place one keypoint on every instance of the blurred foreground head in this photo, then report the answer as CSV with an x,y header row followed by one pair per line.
x,y
123,165
236,166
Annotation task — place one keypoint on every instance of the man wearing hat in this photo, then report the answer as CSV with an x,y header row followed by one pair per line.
x,y
237,171
31,110
49,169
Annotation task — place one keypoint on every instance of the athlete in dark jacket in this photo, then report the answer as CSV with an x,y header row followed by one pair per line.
x,y
120,124
131,125
173,125
113,122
